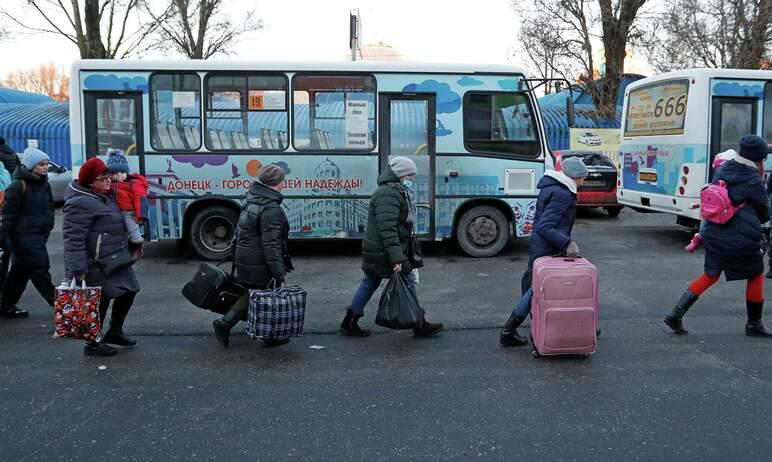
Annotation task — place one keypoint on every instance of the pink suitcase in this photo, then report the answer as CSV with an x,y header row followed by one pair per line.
x,y
564,307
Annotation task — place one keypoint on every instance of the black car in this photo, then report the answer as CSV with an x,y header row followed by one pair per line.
x,y
600,186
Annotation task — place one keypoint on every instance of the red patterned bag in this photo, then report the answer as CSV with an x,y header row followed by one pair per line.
x,y
76,311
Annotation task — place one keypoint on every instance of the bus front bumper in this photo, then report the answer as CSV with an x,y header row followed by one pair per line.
x,y
683,206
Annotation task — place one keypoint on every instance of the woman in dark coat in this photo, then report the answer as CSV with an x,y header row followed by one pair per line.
x,y
28,218
390,219
552,226
734,247
94,225
260,253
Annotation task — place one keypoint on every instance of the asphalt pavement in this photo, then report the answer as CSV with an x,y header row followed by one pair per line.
x,y
645,395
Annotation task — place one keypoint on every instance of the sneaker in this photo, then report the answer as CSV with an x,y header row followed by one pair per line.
x,y
13,312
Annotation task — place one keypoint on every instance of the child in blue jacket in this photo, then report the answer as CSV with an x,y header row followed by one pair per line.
x,y
552,225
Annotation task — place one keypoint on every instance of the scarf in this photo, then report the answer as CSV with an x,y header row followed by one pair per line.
x,y
564,179
410,199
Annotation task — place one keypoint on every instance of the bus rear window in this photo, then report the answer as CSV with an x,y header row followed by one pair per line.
x,y
333,112
499,123
657,109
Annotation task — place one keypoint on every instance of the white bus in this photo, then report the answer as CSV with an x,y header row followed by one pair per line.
x,y
200,131
675,123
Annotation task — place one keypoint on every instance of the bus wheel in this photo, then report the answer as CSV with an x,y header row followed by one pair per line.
x,y
482,231
211,232
613,211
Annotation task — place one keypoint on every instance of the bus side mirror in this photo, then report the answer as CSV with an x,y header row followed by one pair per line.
x,y
570,118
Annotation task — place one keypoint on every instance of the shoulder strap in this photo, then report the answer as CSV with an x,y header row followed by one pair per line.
x,y
23,186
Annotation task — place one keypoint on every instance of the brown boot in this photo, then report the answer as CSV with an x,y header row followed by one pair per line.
x,y
350,326
427,329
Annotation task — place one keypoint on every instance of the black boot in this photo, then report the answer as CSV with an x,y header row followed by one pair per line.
x,y
427,329
350,326
13,312
509,336
754,327
115,335
674,319
223,326
99,349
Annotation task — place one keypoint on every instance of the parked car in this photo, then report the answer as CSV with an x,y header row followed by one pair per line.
x,y
600,186
59,178
589,139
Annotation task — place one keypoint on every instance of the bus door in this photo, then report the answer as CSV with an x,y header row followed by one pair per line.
x,y
732,118
113,120
407,129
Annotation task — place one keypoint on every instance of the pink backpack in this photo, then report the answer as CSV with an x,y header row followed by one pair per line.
x,y
715,203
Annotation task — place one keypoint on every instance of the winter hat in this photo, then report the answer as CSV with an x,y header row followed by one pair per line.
x,y
32,157
271,175
753,148
116,161
573,167
402,166
90,170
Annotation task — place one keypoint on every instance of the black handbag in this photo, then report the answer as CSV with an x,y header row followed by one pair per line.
x,y
414,253
116,261
213,289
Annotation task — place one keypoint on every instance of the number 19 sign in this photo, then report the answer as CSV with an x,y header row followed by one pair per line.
x,y
658,109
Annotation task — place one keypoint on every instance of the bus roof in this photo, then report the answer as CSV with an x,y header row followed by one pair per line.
x,y
293,66
707,73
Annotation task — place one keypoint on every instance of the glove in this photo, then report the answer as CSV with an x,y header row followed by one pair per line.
x,y
572,251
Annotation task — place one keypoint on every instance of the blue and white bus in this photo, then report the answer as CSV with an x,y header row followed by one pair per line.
x,y
200,131
675,123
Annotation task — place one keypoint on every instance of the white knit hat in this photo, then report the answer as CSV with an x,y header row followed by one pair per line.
x,y
402,166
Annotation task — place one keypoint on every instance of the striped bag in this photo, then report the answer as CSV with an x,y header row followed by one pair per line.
x,y
276,314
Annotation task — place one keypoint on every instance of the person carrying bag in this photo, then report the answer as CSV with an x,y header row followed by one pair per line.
x,y
260,250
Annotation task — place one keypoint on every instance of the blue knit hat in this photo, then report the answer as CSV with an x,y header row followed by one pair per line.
x,y
753,148
573,167
116,161
32,157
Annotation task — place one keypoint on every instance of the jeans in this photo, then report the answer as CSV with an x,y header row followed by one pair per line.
x,y
135,233
367,288
523,306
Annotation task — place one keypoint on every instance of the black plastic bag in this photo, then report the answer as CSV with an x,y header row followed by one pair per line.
x,y
398,308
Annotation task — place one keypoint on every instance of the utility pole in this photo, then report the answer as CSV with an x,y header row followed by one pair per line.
x,y
354,32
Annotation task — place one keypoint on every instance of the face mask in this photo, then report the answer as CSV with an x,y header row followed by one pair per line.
x,y
408,183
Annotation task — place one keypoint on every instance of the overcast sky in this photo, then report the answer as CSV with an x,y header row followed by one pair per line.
x,y
484,31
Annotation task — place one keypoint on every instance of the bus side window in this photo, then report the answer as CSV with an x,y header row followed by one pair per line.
x,y
175,111
734,117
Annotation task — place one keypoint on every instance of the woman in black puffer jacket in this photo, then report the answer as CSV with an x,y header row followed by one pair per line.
x,y
93,226
28,218
259,248
734,247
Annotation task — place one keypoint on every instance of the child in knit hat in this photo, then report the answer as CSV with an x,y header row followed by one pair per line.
x,y
131,195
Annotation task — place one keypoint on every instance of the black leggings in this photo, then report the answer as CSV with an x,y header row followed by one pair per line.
x,y
121,307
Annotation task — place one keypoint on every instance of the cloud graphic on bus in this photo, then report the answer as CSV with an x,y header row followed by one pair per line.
x,y
467,81
283,165
440,129
113,82
736,89
508,84
198,161
448,101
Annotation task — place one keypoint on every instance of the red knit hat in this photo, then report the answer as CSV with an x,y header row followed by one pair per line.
x,y
90,170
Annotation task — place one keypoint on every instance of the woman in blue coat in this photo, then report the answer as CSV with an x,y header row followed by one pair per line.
x,y
93,226
734,247
552,225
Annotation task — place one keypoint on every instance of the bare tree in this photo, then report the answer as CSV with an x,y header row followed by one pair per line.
x,y
198,29
712,33
618,24
101,29
47,79
558,36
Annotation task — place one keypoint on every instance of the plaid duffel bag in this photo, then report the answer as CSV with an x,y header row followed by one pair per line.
x,y
276,313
